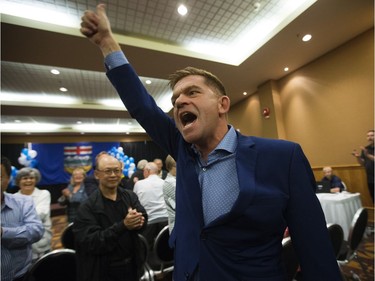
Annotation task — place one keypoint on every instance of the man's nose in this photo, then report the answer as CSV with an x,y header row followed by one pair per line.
x,y
180,101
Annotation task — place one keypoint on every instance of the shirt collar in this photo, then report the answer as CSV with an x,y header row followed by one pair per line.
x,y
228,143
7,201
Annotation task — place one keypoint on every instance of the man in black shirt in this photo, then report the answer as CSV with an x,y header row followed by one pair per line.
x,y
106,229
366,159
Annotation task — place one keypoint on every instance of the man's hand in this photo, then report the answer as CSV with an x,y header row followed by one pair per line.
x,y
355,153
134,219
96,27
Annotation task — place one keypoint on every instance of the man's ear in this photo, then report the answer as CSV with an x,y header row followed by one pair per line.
x,y
224,104
96,174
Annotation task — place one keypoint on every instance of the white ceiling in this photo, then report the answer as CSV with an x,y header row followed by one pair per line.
x,y
157,41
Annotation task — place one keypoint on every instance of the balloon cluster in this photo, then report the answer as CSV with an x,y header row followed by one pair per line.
x,y
27,158
128,162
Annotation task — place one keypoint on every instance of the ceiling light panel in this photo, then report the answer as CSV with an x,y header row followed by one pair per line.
x,y
67,124
224,26
28,84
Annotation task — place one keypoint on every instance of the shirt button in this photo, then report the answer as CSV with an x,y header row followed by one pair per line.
x,y
187,275
204,169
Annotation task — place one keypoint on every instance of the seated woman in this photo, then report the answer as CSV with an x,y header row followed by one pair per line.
x,y
26,179
74,194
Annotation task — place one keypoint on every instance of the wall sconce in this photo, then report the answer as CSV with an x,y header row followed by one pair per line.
x,y
266,112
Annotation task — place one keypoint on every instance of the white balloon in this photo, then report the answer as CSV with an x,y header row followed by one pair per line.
x,y
33,153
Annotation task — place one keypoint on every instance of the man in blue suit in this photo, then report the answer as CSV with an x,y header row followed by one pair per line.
x,y
235,195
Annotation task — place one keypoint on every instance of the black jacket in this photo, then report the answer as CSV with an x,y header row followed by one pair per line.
x,y
96,237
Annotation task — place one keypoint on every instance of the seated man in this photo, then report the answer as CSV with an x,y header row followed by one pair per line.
x,y
150,193
335,181
106,228
20,228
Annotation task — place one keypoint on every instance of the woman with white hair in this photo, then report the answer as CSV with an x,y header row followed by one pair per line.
x,y
26,179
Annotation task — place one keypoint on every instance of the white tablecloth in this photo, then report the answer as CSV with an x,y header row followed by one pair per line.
x,y
340,208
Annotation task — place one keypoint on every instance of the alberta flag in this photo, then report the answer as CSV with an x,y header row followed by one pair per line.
x,y
77,156
56,161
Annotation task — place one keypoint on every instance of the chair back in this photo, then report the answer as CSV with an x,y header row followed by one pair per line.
x,y
337,237
58,265
289,258
144,247
147,272
357,228
344,185
163,252
67,237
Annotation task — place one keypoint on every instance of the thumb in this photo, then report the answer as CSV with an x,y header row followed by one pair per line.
x,y
100,10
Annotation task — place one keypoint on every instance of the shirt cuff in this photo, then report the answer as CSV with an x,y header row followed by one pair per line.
x,y
115,59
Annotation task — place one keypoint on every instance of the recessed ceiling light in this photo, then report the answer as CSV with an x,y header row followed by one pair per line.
x,y
148,81
306,37
244,93
17,121
256,6
79,122
182,10
55,71
62,89
286,69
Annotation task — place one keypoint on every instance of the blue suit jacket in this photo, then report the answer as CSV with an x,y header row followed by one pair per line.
x,y
277,189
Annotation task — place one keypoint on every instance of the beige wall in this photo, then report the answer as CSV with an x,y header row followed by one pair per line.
x,y
327,106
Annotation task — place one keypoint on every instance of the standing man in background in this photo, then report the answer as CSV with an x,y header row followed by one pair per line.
x,y
169,190
20,228
106,228
235,194
366,159
162,173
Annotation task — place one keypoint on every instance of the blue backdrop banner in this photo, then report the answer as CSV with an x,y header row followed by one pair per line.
x,y
57,161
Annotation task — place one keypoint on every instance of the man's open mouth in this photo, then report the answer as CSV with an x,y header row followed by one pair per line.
x,y
187,118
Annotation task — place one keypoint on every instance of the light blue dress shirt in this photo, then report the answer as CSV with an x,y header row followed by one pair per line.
x,y
218,178
21,227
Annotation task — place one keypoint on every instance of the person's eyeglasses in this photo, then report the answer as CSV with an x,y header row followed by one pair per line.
x,y
109,172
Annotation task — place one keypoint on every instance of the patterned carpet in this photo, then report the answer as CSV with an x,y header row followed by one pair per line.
x,y
365,252
363,266
58,225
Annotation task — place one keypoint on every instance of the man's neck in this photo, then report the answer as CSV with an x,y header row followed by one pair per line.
x,y
110,194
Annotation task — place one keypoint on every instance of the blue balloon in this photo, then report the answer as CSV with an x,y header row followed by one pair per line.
x,y
131,159
25,151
